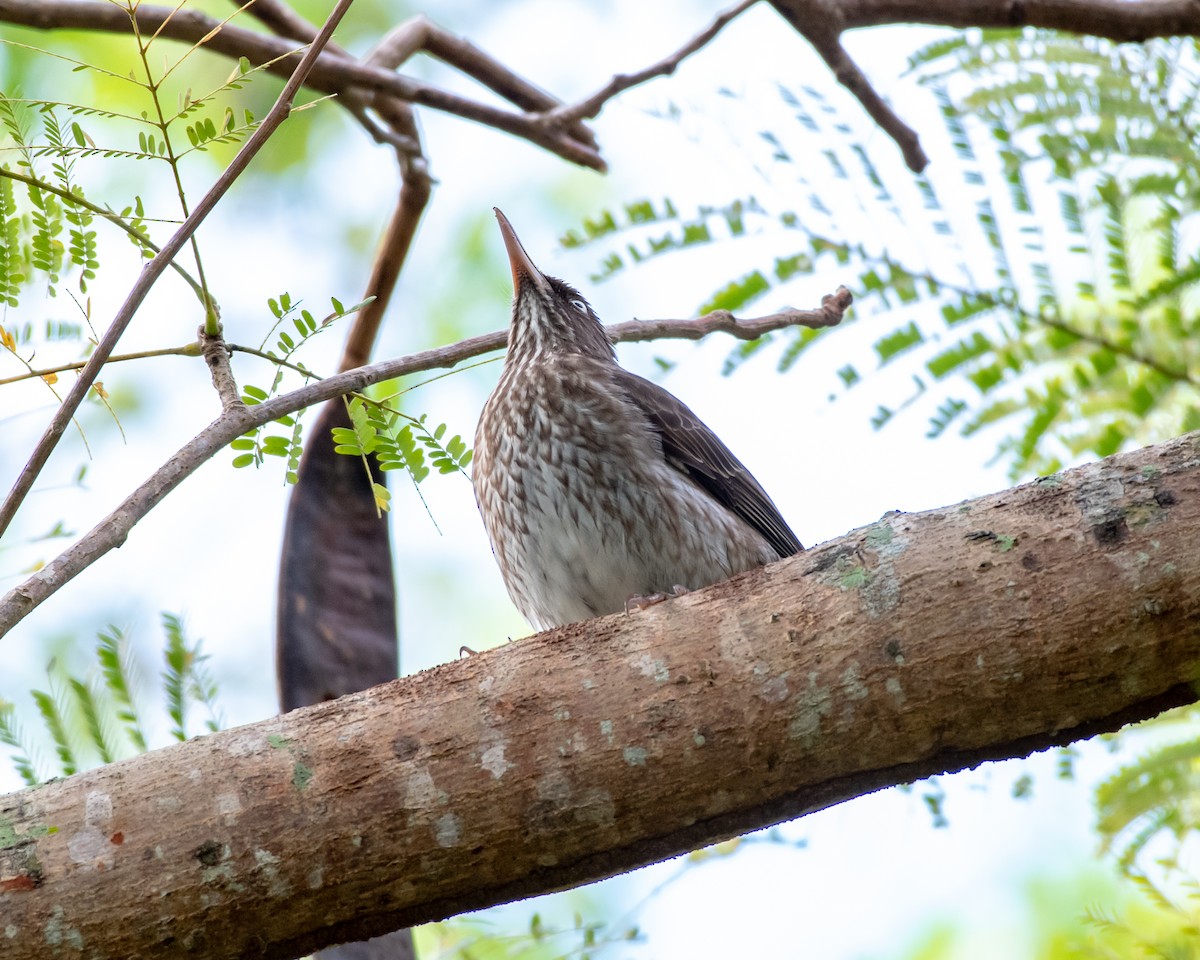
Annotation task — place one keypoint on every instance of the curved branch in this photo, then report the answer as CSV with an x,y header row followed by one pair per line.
x,y
918,645
591,106
332,73
238,419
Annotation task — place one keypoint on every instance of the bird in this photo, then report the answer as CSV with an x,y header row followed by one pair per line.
x,y
599,489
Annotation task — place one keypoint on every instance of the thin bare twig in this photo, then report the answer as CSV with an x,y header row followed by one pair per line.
x,y
154,269
821,23
234,421
591,106
187,350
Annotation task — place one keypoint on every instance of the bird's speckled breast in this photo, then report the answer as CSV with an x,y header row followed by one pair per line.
x,y
575,536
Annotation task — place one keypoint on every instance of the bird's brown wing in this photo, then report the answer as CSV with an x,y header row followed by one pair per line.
x,y
694,450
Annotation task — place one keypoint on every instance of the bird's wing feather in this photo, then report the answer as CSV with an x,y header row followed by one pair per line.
x,y
694,450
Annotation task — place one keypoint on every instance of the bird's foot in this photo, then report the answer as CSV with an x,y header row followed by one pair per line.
x,y
641,603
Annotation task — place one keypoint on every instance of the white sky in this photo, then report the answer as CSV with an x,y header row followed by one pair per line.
x,y
874,874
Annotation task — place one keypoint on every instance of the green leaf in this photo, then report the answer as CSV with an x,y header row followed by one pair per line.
x,y
898,342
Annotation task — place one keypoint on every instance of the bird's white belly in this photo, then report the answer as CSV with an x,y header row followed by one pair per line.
x,y
589,538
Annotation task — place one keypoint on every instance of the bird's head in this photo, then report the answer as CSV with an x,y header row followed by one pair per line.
x,y
548,315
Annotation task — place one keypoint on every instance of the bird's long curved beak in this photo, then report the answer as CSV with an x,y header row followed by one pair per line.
x,y
523,269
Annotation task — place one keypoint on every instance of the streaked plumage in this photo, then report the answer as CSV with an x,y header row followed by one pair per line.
x,y
595,485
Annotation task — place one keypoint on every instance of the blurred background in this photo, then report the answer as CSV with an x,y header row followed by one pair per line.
x,y
729,184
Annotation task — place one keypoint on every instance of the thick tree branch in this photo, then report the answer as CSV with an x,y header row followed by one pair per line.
x,y
920,644
1116,20
113,529
154,269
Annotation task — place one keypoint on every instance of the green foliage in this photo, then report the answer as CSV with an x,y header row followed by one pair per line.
x,y
476,938
186,680
1151,802
1077,169
399,441
93,719
258,444
48,229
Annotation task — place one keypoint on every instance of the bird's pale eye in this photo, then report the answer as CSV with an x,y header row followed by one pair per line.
x,y
580,306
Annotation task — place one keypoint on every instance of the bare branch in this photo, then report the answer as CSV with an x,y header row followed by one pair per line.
x,y
833,308
154,269
403,134
916,645
187,350
420,34
821,22
590,107
113,529
332,73
1116,20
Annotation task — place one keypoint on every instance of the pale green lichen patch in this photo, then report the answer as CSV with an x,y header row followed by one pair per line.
x,y
1146,513
492,760
880,535
892,686
1005,542
852,684
11,931
10,838
649,666
808,707
698,738
853,577
302,773
882,594
61,934
595,805
268,864
635,756
448,830
222,875
606,731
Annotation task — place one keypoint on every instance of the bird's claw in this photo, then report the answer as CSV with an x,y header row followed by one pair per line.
x,y
651,599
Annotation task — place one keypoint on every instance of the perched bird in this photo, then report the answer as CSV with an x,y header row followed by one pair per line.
x,y
599,488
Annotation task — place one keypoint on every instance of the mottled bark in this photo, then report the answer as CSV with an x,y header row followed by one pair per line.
x,y
920,644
